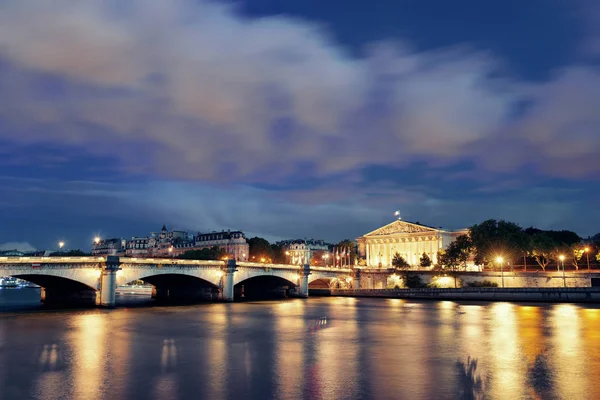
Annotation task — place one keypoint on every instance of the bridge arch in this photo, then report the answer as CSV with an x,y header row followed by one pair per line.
x,y
85,278
330,281
257,284
210,276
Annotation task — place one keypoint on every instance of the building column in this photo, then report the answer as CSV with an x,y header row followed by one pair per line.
x,y
303,280
108,285
227,280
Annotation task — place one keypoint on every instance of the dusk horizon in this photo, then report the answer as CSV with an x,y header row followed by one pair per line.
x,y
295,120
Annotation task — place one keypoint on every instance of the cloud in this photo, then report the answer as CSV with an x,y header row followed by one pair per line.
x,y
197,91
21,246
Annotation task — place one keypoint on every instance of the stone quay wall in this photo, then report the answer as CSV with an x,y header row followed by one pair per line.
x,y
386,279
555,295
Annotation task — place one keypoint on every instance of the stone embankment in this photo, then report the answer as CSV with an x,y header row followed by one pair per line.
x,y
556,295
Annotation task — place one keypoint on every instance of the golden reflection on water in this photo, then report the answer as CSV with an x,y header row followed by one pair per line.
x,y
326,349
89,355
591,338
508,368
218,319
568,360
335,336
291,332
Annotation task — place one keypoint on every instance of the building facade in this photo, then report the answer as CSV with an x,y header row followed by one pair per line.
x,y
174,243
109,247
300,251
408,239
233,242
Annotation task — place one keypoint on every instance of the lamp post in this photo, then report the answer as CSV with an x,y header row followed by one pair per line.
x,y
171,251
96,240
562,260
587,255
500,261
326,258
287,254
61,244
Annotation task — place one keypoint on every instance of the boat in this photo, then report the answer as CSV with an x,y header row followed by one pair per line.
x,y
9,282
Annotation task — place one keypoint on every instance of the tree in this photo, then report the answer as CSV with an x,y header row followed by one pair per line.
x,y
209,253
425,261
568,238
317,257
259,249
576,251
398,262
492,237
70,253
541,249
461,249
278,254
456,255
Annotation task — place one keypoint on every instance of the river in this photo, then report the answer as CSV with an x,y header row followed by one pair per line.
x,y
320,348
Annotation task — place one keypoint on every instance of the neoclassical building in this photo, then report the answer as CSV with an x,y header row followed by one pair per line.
x,y
408,239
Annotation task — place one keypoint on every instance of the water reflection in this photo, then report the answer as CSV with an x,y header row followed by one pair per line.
x,y
291,332
568,359
305,349
469,381
89,361
508,367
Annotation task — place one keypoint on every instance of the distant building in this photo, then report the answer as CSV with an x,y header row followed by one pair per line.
x,y
137,247
19,253
174,243
109,247
300,251
12,253
233,242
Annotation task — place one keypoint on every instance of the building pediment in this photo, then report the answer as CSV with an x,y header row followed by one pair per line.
x,y
400,227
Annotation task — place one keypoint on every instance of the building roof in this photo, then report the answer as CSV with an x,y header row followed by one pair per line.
x,y
400,226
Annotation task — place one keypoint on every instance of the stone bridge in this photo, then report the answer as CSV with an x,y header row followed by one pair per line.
x,y
95,279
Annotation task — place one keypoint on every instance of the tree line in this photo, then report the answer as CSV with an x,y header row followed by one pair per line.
x,y
494,242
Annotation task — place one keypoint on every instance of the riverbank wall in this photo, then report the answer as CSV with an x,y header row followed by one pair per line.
x,y
387,279
554,295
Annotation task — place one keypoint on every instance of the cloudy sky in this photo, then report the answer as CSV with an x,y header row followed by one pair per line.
x,y
295,118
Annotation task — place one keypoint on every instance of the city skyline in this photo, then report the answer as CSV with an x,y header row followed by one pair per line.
x,y
293,119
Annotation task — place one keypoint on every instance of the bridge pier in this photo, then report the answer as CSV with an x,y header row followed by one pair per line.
x,y
227,280
108,285
303,281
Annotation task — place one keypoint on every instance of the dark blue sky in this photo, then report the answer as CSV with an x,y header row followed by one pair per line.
x,y
295,118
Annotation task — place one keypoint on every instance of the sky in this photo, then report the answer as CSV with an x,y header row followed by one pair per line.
x,y
295,118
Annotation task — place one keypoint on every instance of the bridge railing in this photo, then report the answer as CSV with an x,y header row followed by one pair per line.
x,y
51,260
157,261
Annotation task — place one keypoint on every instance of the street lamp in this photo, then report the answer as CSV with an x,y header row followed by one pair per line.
x,y
326,258
587,255
562,260
96,240
500,261
61,244
171,251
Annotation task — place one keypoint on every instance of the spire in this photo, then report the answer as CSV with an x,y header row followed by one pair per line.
x,y
164,228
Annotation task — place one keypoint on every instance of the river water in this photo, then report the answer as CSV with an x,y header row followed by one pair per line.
x,y
320,348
